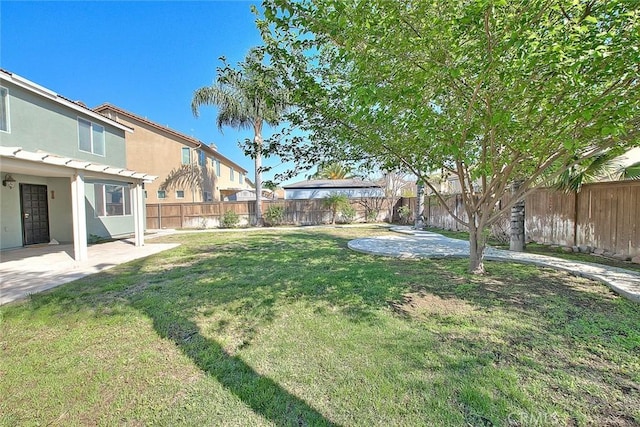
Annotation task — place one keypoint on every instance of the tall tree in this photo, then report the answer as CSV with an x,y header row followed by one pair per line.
x,y
247,98
332,170
491,91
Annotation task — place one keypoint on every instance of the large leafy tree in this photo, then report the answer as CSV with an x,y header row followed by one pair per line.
x,y
247,97
491,91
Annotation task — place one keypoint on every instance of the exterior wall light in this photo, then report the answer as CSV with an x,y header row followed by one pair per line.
x,y
8,181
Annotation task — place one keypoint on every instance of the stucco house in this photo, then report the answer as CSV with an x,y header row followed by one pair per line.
x,y
159,150
320,188
64,171
250,196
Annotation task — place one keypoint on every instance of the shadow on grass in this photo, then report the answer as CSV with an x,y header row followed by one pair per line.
x,y
250,280
263,395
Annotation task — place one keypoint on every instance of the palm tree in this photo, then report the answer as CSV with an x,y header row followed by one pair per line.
x,y
604,167
632,171
246,98
332,171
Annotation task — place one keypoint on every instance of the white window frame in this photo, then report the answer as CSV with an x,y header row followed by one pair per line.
x,y
218,172
91,131
231,174
7,109
182,152
164,194
178,196
103,209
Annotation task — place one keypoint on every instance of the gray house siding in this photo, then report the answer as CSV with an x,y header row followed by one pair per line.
x,y
41,124
59,201
320,193
37,123
105,226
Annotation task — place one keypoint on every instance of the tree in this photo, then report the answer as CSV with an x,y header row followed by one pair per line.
x,y
333,170
490,91
335,202
632,171
247,98
395,185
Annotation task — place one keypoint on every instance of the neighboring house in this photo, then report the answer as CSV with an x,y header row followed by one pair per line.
x,y
321,188
159,150
250,195
64,172
447,184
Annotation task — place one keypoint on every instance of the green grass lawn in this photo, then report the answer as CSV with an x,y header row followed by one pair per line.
x,y
292,328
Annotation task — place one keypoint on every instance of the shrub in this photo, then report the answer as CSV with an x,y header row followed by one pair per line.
x,y
229,219
274,215
347,214
372,215
335,202
404,212
93,238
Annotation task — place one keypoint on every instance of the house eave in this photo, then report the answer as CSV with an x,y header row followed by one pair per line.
x,y
182,138
41,162
59,99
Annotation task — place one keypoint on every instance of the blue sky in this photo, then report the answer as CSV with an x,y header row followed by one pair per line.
x,y
146,57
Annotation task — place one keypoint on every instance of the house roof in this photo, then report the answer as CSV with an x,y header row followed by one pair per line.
x,y
59,99
187,140
51,159
332,183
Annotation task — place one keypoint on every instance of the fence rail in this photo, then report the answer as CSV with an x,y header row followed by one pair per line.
x,y
602,215
298,212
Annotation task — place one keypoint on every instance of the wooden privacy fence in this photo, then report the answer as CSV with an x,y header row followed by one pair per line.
x,y
298,212
195,215
602,215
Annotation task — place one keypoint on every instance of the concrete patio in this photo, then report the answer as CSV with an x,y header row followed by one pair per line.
x,y
34,269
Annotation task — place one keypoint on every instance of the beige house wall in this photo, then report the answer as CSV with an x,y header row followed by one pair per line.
x,y
230,179
158,151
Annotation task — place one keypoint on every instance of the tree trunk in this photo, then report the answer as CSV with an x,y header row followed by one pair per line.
x,y
476,250
419,222
258,180
516,235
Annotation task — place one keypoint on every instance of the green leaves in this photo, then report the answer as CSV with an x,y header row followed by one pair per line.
x,y
491,90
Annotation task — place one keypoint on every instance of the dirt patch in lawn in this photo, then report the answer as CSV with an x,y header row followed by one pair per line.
x,y
421,304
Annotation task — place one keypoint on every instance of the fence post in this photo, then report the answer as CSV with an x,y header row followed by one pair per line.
x,y
576,195
181,216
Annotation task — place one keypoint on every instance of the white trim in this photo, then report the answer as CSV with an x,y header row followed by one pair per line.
x,y
79,217
49,94
104,137
137,201
7,109
182,155
179,197
68,165
103,208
